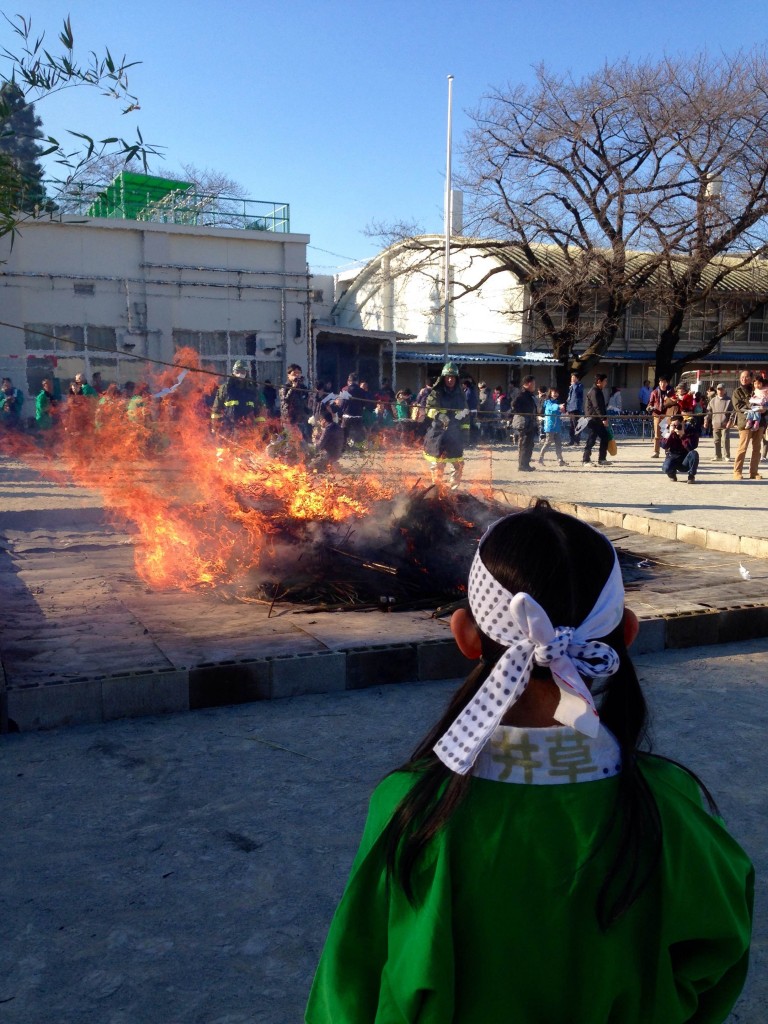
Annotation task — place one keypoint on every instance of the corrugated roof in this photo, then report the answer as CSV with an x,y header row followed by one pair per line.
x,y
466,357
736,273
362,332
740,273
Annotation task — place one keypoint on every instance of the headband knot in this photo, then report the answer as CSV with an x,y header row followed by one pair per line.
x,y
523,628
558,646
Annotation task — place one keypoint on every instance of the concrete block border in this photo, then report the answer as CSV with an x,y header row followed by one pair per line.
x,y
711,540
218,684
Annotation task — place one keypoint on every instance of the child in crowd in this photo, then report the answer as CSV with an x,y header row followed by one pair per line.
x,y
529,862
552,409
758,404
541,397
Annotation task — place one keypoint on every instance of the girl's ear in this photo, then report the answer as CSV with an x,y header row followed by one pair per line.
x,y
631,627
466,634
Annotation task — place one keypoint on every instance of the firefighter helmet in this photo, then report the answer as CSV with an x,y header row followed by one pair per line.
x,y
240,368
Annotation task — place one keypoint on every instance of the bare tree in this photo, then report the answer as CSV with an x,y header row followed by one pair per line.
x,y
219,199
38,71
624,187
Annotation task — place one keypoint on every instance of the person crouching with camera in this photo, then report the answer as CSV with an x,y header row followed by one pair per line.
x,y
680,445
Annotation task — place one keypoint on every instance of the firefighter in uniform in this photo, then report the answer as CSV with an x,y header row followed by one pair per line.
x,y
237,403
448,430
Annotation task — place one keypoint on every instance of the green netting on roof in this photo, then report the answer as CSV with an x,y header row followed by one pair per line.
x,y
131,195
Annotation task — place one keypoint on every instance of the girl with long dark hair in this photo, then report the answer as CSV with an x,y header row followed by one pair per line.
x,y
529,863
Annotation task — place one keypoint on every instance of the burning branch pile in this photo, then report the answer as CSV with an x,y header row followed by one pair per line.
x,y
221,514
407,552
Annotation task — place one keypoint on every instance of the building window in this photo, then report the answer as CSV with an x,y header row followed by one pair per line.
x,y
62,350
219,350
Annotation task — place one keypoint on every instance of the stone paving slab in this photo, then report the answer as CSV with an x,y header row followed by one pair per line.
x,y
184,869
77,615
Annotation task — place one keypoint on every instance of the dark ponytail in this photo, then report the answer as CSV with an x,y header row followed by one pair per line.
x,y
563,564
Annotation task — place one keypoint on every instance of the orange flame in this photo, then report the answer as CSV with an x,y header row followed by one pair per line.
x,y
205,510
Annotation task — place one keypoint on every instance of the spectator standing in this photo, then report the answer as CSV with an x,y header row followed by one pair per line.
x,y
719,419
138,408
386,393
293,402
46,405
574,406
80,408
541,395
614,406
711,393
404,408
680,445
686,401
552,426
423,394
80,386
322,394
741,399
485,410
644,397
352,403
11,401
758,403
369,408
110,409
419,416
470,394
525,414
269,393
501,410
597,427
661,403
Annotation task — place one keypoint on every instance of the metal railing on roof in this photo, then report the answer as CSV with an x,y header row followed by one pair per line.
x,y
162,201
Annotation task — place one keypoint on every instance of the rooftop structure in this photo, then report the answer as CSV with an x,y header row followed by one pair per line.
x,y
146,197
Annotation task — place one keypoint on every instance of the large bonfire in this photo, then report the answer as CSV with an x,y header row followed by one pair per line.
x,y
221,513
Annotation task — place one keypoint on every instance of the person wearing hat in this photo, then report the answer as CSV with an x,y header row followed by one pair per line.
x,y
719,419
448,430
686,401
238,402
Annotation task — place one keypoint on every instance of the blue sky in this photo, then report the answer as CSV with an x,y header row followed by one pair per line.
x,y
340,108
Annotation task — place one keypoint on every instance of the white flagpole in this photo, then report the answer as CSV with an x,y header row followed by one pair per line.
x,y
447,227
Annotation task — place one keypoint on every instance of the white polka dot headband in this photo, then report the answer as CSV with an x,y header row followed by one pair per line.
x,y
522,626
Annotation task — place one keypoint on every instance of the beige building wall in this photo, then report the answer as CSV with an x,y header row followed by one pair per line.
x,y
403,291
112,290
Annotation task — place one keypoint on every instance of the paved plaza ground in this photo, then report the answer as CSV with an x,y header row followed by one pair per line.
x,y
182,869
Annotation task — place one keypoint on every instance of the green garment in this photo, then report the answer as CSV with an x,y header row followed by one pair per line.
x,y
44,403
505,927
136,408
